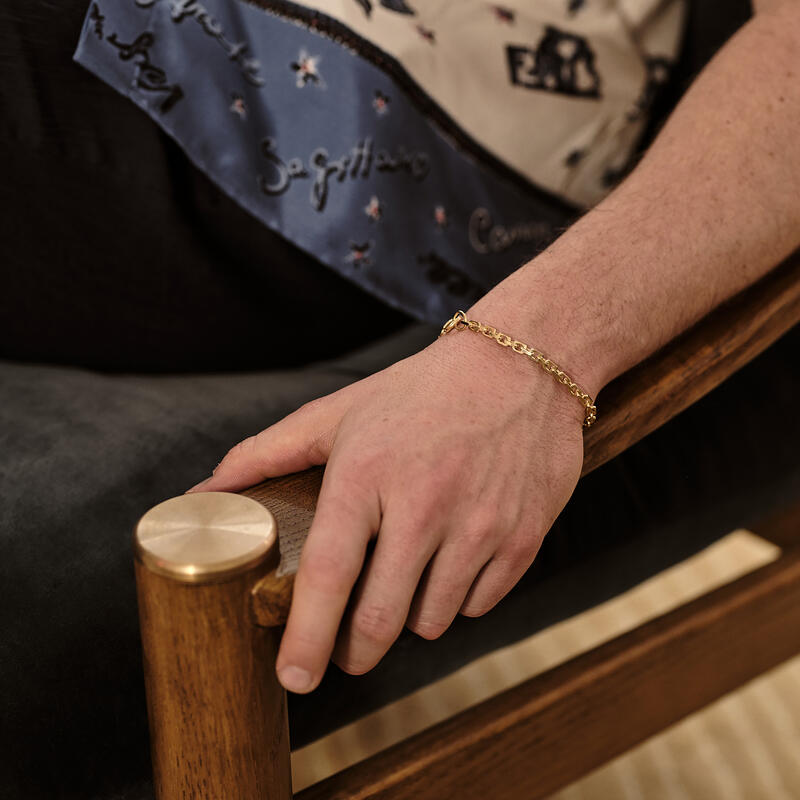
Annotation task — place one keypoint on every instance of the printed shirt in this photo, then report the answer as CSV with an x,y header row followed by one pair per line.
x,y
424,149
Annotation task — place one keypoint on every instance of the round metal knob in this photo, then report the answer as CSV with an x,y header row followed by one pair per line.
x,y
204,536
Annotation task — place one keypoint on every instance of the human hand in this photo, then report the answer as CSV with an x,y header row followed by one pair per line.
x,y
456,460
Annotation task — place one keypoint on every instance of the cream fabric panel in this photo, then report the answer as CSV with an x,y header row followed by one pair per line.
x,y
457,51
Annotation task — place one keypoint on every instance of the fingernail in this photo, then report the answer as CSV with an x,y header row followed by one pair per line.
x,y
199,486
295,679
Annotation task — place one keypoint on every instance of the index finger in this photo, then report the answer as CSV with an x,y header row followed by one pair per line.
x,y
331,561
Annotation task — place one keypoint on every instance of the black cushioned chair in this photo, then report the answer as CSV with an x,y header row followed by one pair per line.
x,y
85,453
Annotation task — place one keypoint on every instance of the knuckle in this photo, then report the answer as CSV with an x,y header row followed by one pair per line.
x,y
438,485
375,623
353,667
518,549
319,446
414,538
300,647
476,609
363,464
348,499
472,541
325,572
428,628
240,450
486,517
309,405
245,446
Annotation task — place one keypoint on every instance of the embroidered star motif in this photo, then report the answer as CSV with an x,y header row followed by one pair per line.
x,y
426,33
359,254
237,106
306,70
374,209
380,103
503,14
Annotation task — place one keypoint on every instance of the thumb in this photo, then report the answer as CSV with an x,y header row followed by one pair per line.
x,y
300,440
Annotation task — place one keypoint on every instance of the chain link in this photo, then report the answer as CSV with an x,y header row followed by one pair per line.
x,y
460,320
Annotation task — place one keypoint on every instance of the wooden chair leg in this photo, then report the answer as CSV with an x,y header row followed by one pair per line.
x,y
218,716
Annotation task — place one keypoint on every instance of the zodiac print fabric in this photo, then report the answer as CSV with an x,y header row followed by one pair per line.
x,y
423,149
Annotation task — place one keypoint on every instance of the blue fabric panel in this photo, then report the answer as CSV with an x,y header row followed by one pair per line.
x,y
323,147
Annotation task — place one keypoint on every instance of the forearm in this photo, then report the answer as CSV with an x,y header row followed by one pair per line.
x,y
713,205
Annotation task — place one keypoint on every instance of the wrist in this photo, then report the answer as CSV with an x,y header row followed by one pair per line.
x,y
548,322
511,373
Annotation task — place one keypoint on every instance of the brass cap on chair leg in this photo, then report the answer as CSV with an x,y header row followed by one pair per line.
x,y
204,537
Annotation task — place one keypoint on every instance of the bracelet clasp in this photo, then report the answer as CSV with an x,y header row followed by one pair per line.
x,y
459,318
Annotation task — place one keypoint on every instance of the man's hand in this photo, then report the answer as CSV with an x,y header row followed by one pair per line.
x,y
456,460
459,458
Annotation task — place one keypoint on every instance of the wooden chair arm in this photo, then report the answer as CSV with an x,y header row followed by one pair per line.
x,y
635,404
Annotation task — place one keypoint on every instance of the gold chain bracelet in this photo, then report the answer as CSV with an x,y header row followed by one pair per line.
x,y
460,320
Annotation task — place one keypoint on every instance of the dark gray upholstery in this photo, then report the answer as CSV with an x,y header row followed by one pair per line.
x,y
83,455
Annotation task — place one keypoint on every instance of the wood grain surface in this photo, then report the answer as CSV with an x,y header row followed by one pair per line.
x,y
631,407
218,716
